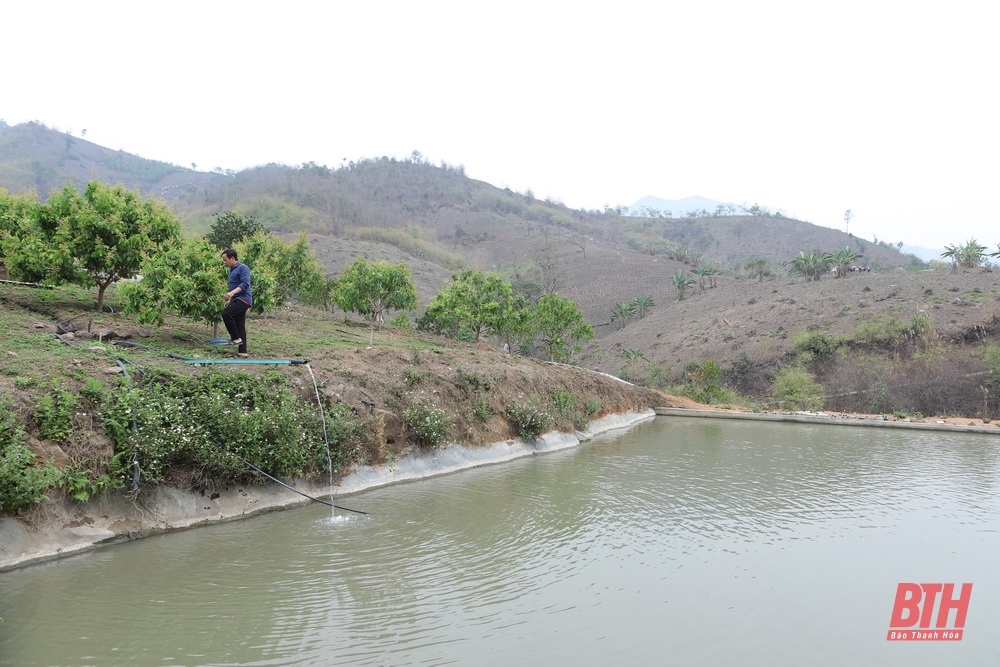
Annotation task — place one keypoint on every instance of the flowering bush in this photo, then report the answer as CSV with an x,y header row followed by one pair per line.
x,y
530,419
428,426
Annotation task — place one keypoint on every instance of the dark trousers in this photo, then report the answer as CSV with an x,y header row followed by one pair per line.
x,y
235,318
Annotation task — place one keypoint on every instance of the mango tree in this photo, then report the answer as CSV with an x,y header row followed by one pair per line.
x,y
369,289
560,323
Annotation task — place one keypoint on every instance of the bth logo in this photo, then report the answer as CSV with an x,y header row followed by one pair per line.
x,y
914,606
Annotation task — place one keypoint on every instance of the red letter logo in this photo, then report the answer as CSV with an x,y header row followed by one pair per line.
x,y
906,612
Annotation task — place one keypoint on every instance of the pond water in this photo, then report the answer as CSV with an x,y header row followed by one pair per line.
x,y
680,541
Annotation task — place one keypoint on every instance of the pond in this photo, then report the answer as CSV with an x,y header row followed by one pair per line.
x,y
681,541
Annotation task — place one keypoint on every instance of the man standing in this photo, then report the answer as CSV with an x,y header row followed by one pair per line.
x,y
238,301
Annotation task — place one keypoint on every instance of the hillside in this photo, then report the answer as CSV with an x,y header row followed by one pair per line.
x,y
34,157
438,220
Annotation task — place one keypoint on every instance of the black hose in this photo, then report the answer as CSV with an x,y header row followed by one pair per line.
x,y
301,493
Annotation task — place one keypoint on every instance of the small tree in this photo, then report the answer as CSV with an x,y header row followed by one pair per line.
x,y
813,264
682,281
230,228
971,254
293,266
642,304
703,271
187,278
842,259
952,253
621,312
473,301
371,288
633,357
560,323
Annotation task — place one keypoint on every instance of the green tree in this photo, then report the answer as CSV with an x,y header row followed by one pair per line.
x,y
110,231
682,281
230,228
34,245
474,302
17,213
813,265
369,289
842,259
621,312
560,324
643,304
120,230
188,279
293,267
633,357
971,254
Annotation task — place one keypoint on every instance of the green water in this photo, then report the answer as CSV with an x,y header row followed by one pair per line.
x,y
680,542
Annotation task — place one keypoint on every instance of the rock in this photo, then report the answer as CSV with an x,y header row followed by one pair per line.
x,y
12,355
68,336
48,449
97,348
111,370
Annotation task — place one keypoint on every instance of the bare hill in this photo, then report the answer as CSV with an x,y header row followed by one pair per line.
x,y
438,220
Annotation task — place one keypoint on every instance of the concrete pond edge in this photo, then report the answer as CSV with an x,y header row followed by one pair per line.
x,y
875,421
65,528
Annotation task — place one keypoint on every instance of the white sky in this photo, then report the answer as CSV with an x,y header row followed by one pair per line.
x,y
889,109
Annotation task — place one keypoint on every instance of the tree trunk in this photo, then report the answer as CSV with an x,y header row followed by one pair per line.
x,y
100,296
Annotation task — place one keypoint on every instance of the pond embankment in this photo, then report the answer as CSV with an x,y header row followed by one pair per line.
x,y
64,528
957,424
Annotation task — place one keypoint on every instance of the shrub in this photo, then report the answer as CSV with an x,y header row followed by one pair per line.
x,y
563,402
428,426
704,383
21,483
54,414
529,419
817,343
884,331
795,389
481,407
214,422
412,376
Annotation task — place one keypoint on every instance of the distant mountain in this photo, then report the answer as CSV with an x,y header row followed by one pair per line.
x,y
926,254
677,208
35,157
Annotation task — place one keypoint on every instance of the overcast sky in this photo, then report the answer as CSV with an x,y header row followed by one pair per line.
x,y
889,109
